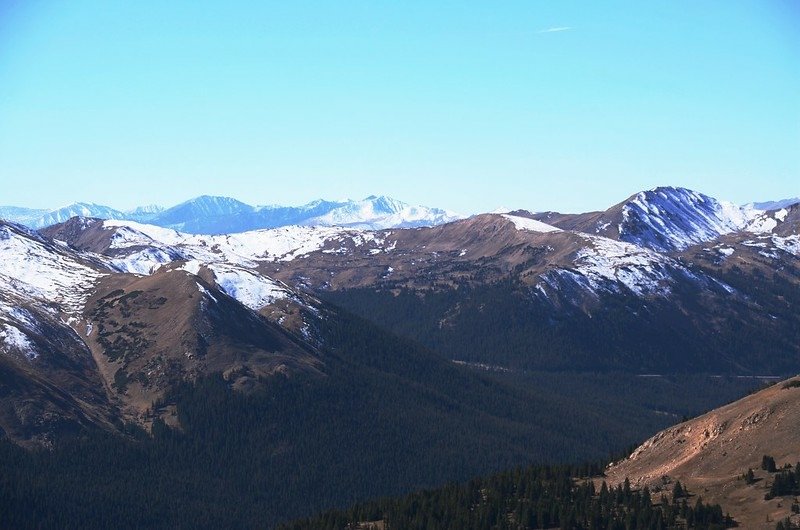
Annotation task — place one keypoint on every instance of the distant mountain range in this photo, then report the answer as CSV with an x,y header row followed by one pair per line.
x,y
560,288
223,215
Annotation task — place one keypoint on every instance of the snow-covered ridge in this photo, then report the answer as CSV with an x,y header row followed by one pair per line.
x,y
30,267
376,213
245,248
605,262
79,209
233,259
17,214
668,219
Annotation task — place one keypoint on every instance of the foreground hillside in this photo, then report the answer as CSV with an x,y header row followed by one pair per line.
x,y
711,454
734,466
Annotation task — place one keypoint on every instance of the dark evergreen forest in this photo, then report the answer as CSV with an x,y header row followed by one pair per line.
x,y
507,324
530,498
388,417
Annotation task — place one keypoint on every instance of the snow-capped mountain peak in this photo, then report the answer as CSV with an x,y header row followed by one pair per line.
x,y
670,218
213,205
384,204
379,212
77,209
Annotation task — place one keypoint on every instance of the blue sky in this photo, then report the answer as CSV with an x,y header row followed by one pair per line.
x,y
569,106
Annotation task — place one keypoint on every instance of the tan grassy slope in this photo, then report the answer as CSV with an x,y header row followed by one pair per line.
x,y
711,452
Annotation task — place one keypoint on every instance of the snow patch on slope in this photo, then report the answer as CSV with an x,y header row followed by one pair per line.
x,y
31,267
13,338
248,287
790,244
205,292
144,262
605,262
532,225
231,258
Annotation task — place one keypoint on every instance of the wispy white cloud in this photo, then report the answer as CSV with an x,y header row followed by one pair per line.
x,y
555,29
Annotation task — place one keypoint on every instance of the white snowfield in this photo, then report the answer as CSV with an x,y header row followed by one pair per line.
x,y
606,262
29,267
247,286
378,213
144,262
14,340
532,225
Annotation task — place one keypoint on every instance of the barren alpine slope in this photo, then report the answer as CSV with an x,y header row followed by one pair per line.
x,y
83,342
711,454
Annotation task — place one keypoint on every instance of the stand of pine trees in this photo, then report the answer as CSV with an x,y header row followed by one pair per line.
x,y
785,482
530,498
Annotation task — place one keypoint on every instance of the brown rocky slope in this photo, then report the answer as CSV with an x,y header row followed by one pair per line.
x,y
711,453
